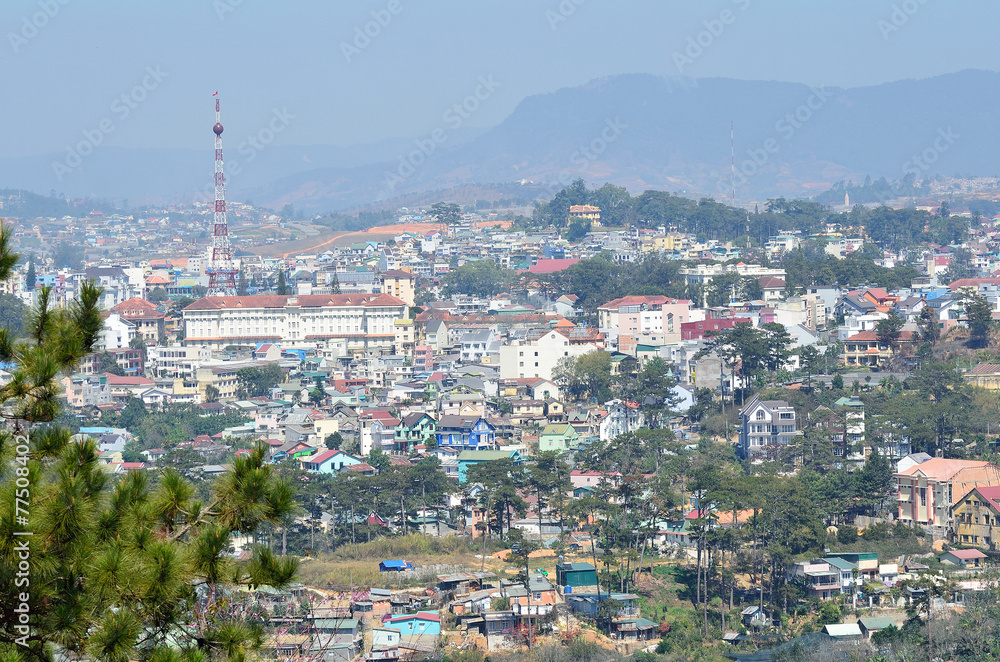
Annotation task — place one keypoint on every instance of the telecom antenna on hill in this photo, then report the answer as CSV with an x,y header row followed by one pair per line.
x,y
221,269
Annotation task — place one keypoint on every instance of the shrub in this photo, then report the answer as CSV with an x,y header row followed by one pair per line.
x,y
847,534
829,613
877,531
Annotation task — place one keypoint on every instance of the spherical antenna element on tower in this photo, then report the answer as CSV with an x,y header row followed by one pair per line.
x,y
217,129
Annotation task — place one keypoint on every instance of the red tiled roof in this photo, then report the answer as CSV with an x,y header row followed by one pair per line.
x,y
634,300
985,369
940,468
771,282
321,457
117,380
972,282
552,266
904,336
137,307
967,554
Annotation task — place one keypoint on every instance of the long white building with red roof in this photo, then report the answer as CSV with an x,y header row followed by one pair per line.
x,y
361,322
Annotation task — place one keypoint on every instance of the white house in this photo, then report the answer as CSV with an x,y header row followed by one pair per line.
x,y
765,424
538,357
116,333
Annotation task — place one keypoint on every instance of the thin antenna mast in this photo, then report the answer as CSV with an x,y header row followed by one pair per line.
x,y
221,269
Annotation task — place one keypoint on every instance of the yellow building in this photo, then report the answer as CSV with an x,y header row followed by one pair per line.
x,y
865,348
588,212
976,518
399,284
664,243
985,375
405,339
223,378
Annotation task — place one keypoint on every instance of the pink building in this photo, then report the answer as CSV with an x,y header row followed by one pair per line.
x,y
697,330
423,358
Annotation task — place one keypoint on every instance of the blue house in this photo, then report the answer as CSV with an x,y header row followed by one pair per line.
x,y
328,462
394,566
423,622
465,433
587,604
467,459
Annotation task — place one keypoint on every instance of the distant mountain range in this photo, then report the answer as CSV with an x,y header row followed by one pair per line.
x,y
636,130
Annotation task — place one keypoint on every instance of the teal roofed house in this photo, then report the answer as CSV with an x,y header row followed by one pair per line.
x,y
467,459
576,575
558,437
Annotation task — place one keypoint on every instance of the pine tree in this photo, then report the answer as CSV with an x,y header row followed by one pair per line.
x,y
115,570
241,284
282,285
335,285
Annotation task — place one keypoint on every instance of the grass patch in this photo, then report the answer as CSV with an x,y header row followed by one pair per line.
x,y
404,547
357,565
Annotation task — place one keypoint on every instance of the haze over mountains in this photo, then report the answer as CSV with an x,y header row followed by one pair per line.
x,y
636,130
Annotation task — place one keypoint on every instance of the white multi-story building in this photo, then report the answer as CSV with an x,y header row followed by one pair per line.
x,y
764,426
177,360
365,321
702,274
116,333
539,357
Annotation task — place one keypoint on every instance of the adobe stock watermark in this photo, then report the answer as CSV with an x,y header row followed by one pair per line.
x,y
250,147
21,545
699,43
121,107
918,164
899,17
454,117
223,7
588,153
363,35
562,12
31,25
786,128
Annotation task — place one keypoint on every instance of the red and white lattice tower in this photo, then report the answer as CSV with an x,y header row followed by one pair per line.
x,y
221,268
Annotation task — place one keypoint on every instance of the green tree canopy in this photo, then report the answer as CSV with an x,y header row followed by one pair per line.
x,y
448,213
482,278
116,571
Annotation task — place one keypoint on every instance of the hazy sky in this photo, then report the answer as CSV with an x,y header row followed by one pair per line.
x,y
69,75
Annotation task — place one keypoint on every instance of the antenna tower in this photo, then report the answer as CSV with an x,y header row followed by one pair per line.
x,y
221,269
